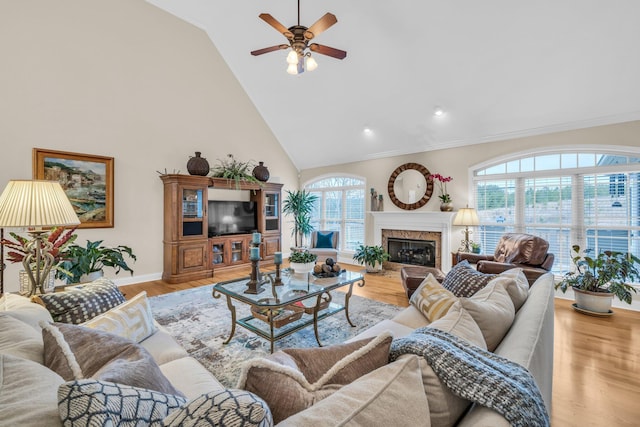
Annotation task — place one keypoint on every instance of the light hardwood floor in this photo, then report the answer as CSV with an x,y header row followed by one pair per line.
x,y
596,378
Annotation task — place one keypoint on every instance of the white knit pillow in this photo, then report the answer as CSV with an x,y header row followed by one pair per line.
x,y
132,319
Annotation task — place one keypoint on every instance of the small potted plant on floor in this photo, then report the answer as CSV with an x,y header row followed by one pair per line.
x,y
302,261
87,263
596,280
371,257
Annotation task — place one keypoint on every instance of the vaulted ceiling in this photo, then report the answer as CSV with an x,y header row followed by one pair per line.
x,y
499,69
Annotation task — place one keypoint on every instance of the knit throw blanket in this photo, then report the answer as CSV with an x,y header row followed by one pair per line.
x,y
478,375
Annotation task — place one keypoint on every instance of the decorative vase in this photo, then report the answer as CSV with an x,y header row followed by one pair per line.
x,y
198,165
261,173
25,283
446,207
302,267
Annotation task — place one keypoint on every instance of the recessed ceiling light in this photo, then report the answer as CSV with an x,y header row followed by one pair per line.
x,y
438,112
367,131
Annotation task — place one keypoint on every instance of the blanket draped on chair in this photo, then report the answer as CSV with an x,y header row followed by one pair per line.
x,y
478,375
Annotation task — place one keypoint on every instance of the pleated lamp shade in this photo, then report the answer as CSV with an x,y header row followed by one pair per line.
x,y
466,216
35,204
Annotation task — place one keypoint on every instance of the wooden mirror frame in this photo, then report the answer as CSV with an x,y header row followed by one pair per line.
x,y
428,190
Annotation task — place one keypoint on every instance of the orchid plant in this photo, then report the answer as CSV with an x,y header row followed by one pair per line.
x,y
442,184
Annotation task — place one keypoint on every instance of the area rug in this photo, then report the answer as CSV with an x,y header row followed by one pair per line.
x,y
201,324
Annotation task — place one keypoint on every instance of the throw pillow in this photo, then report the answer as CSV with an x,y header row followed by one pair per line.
x,y
19,339
460,323
464,280
374,399
324,240
222,408
432,299
132,319
101,403
518,289
292,380
76,352
82,303
493,311
27,396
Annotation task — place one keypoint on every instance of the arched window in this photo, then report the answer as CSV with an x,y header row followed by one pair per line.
x,y
341,207
587,198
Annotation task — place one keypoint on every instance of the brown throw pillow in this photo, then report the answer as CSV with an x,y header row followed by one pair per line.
x,y
75,352
464,280
294,379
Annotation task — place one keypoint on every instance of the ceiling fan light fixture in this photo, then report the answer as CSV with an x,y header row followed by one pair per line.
x,y
310,64
292,69
292,57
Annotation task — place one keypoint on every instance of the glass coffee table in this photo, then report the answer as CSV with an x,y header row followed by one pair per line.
x,y
279,311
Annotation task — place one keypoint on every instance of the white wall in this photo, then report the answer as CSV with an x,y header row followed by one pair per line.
x,y
122,78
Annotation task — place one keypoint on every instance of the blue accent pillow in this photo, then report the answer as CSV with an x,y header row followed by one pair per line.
x,y
324,240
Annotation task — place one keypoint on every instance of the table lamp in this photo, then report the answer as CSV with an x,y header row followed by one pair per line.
x,y
37,206
466,217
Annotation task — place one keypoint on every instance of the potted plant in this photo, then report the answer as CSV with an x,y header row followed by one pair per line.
x,y
302,261
596,280
475,248
235,170
371,257
300,204
446,204
88,263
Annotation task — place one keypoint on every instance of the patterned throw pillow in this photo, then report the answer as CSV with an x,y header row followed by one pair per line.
x,y
132,319
432,299
102,403
82,303
324,240
291,380
464,280
237,408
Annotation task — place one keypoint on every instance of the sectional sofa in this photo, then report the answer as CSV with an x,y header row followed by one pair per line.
x,y
397,393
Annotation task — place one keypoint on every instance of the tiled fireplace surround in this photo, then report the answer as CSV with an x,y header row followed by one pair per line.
x,y
416,225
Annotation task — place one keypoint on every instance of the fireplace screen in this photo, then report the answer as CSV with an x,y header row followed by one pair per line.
x,y
410,251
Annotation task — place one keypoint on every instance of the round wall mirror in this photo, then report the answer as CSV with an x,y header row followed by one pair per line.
x,y
409,187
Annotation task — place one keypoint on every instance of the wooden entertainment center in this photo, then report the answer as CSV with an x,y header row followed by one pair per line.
x,y
189,252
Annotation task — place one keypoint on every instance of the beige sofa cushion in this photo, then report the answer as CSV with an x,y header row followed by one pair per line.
x,y
493,311
23,309
445,407
375,399
516,284
19,339
190,377
28,393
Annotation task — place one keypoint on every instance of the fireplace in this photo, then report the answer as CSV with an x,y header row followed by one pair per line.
x,y
411,251
431,227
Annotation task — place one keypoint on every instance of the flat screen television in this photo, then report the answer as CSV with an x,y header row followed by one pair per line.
x,y
232,217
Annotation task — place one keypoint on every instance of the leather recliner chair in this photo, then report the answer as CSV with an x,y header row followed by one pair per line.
x,y
514,250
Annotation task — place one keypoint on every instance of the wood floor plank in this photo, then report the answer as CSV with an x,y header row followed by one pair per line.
x,y
596,379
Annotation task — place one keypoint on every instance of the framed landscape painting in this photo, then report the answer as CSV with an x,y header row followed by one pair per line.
x,y
87,180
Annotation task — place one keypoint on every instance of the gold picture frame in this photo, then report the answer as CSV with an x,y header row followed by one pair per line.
x,y
87,179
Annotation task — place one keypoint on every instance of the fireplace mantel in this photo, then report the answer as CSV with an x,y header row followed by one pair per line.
x,y
416,221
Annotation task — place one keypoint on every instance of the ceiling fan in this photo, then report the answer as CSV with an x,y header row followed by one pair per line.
x,y
299,59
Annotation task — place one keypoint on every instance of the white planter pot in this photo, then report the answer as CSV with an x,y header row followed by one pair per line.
x,y
599,302
25,283
94,275
376,268
302,267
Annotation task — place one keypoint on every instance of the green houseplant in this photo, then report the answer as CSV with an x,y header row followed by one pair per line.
x,y
235,170
94,257
302,261
300,204
371,257
596,280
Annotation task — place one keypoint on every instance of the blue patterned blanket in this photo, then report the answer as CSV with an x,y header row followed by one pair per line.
x,y
478,375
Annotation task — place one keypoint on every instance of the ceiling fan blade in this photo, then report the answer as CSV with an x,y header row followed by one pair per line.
x,y
276,24
320,25
329,51
269,49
